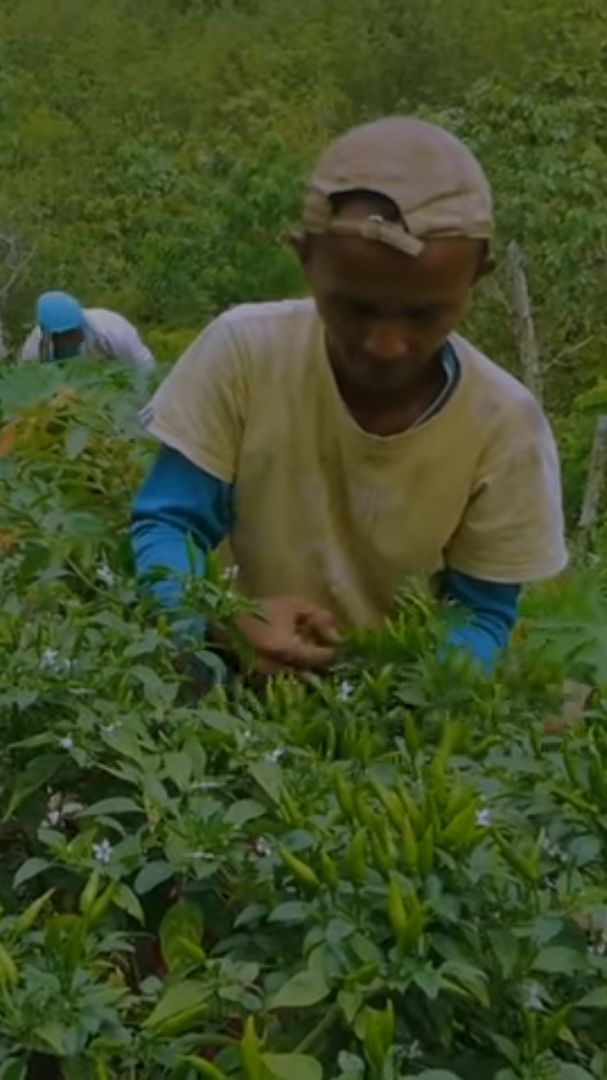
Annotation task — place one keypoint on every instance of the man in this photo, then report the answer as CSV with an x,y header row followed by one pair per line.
x,y
348,442
66,330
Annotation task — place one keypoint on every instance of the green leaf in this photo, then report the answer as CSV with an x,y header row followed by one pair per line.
x,y
53,1034
508,1049
305,988
269,777
559,958
75,442
567,1071
596,999
13,1070
294,911
151,875
34,776
30,869
438,1074
126,900
116,805
178,766
293,1066
182,922
184,997
242,811
429,982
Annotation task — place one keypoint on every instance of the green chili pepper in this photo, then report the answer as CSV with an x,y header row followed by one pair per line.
x,y
291,809
411,734
329,870
426,852
204,1068
300,870
380,856
410,806
396,911
29,916
100,905
362,809
8,970
389,801
409,845
345,796
89,892
250,1052
355,858
460,829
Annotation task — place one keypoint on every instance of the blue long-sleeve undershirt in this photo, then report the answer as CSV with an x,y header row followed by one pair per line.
x,y
178,500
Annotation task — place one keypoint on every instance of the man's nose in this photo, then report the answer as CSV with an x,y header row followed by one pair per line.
x,y
387,342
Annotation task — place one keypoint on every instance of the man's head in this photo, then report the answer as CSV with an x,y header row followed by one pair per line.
x,y
61,321
396,228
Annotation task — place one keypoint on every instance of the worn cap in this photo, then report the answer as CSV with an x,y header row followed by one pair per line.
x,y
58,312
433,179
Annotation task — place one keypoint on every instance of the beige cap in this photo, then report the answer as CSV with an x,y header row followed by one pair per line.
x,y
434,180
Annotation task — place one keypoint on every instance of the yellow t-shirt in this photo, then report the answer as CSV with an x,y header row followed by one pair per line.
x,y
331,513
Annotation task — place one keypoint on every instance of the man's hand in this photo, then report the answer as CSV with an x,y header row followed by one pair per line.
x,y
290,634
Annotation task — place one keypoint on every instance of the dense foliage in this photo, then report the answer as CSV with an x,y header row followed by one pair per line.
x,y
152,152
393,871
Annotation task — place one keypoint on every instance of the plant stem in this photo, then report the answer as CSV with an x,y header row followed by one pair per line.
x,y
319,1029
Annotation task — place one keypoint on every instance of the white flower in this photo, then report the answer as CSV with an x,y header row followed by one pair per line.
x,y
345,690
66,743
275,755
262,847
108,728
106,575
532,996
205,785
48,660
553,851
201,856
53,817
103,852
51,661
230,573
483,818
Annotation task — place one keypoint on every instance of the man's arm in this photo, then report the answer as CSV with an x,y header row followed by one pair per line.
x,y
489,611
31,346
177,501
125,343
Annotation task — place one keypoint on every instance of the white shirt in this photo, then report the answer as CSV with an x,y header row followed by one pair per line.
x,y
106,335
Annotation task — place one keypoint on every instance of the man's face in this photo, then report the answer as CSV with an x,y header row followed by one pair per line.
x,y
67,344
387,313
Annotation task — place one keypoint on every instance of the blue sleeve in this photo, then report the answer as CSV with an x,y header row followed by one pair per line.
x,y
491,612
178,501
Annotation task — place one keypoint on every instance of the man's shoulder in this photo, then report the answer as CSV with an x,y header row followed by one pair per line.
x,y
270,319
492,389
104,320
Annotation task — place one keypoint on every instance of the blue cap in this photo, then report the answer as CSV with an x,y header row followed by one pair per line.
x,y
57,312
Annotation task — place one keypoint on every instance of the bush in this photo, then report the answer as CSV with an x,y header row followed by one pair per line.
x,y
393,871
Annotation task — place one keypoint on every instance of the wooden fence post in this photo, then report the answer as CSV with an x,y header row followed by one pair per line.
x,y
596,477
523,321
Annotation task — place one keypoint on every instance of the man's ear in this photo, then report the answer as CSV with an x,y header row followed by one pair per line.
x,y
486,263
299,241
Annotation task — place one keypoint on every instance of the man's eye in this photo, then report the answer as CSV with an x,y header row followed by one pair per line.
x,y
364,311
422,314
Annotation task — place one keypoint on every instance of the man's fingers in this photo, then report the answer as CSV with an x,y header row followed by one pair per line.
x,y
320,624
304,655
